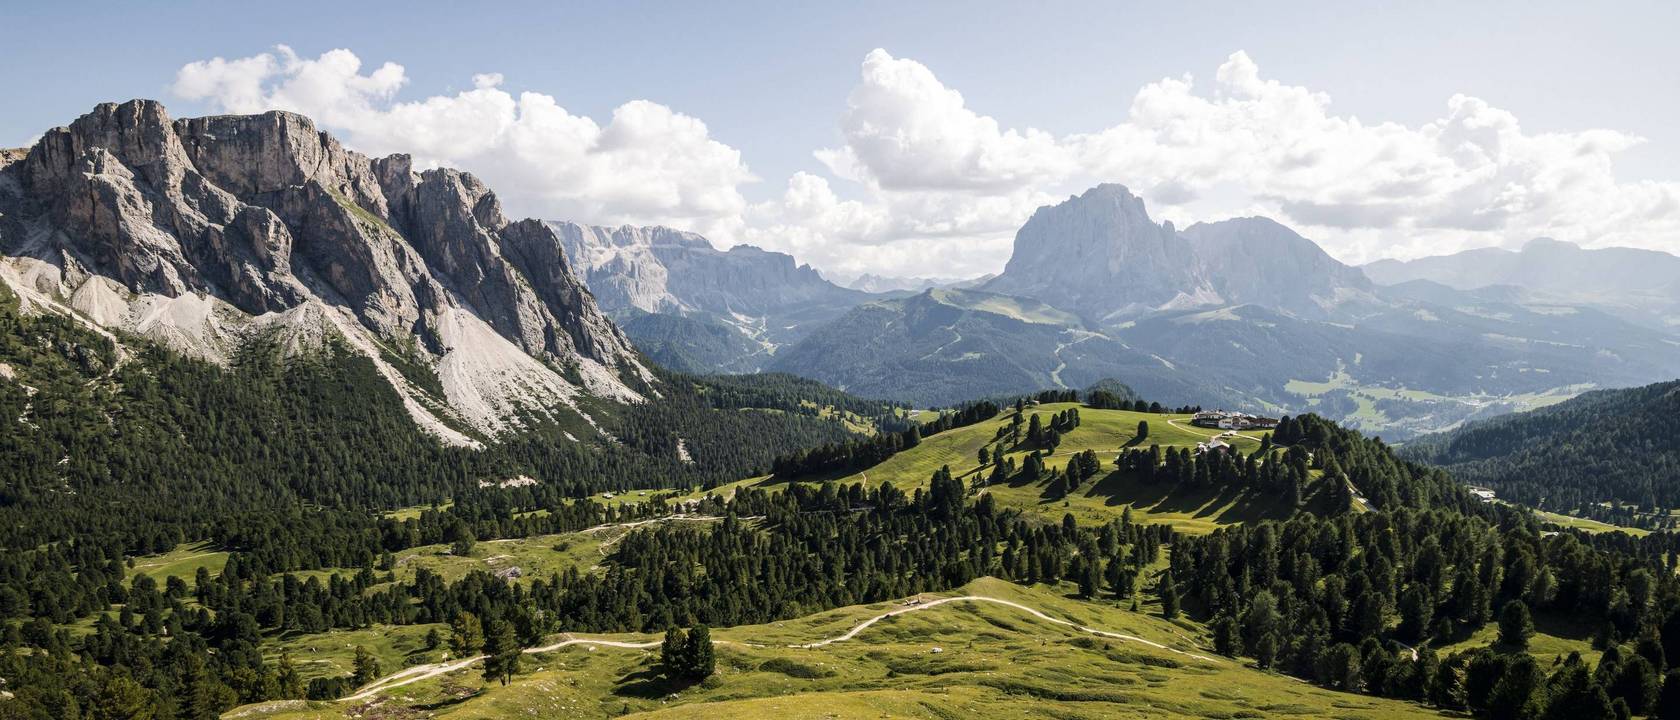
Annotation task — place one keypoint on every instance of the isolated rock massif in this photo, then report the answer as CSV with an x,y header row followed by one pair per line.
x,y
1100,254
197,231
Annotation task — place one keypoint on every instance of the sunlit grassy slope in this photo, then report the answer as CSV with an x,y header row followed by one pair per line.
x,y
1555,636
993,661
182,562
1106,432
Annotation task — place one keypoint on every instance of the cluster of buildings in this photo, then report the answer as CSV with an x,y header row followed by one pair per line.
x,y
1227,420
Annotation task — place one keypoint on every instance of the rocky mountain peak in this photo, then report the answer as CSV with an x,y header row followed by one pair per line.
x,y
1259,260
268,214
1101,255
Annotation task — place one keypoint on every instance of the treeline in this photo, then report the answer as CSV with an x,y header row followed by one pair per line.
x,y
863,453
1343,600
785,392
1608,455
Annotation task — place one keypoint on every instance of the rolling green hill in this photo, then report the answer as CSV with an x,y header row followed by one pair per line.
x,y
1105,432
966,659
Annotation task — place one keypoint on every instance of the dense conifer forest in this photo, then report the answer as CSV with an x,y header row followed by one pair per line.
x,y
1611,455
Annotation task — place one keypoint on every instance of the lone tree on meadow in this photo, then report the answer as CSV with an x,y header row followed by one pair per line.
x,y
502,651
702,661
688,655
364,668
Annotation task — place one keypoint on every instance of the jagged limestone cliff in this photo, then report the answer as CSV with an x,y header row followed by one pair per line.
x,y
198,232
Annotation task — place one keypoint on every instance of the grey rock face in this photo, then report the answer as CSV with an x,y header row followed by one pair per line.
x,y
1099,254
766,298
657,269
1257,260
265,211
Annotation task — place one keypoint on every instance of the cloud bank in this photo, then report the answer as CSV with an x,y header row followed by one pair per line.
x,y
921,183
647,164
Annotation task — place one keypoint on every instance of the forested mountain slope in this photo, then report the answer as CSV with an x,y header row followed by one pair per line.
x,y
182,444
1608,446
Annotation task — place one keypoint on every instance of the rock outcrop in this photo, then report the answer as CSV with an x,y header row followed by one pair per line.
x,y
265,213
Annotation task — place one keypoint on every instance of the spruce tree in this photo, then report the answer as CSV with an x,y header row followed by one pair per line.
x,y
502,651
364,667
1515,625
702,660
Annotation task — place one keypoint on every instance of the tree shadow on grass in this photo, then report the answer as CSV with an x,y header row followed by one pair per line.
x,y
651,684
1120,488
453,699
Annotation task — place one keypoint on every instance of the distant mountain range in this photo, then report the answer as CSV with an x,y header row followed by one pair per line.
x,y
723,309
868,282
1638,285
1243,312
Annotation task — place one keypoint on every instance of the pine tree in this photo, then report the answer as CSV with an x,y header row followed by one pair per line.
x,y
672,653
1090,578
1169,597
1668,703
702,660
364,667
1515,625
502,653
466,635
290,683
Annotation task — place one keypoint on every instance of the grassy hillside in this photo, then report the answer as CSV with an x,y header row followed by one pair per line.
x,y
993,661
1106,432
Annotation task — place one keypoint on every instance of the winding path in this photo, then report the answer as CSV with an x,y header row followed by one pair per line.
x,y
422,672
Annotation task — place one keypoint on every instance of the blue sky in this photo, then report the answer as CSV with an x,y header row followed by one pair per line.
x,y
777,82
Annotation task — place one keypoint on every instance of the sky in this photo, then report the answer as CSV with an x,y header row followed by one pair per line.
x,y
872,137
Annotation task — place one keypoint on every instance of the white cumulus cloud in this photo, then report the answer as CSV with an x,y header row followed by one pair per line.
x,y
647,164
922,184
1240,144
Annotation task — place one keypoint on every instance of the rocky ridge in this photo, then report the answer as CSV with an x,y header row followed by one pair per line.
x,y
197,232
